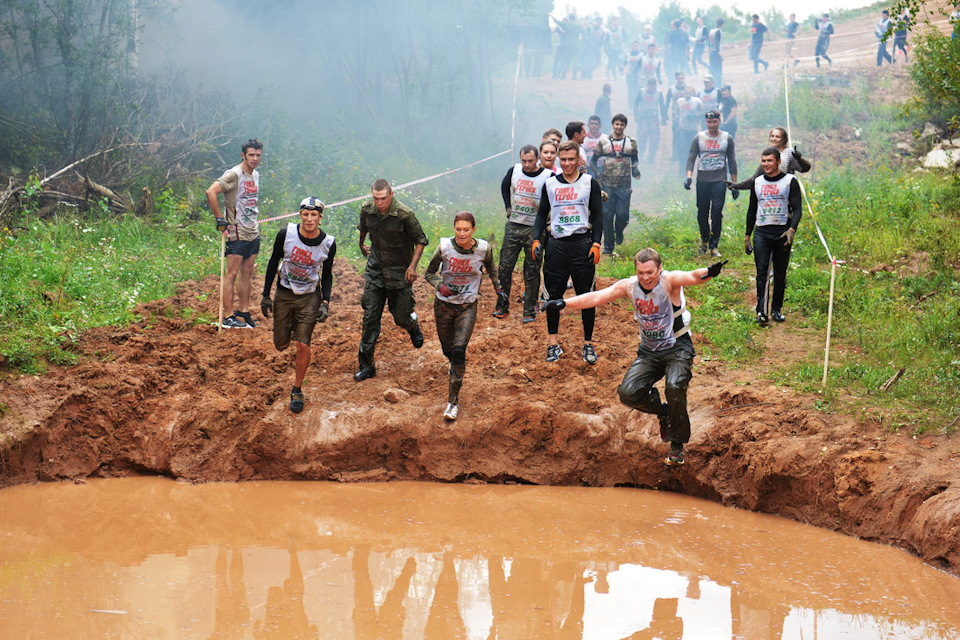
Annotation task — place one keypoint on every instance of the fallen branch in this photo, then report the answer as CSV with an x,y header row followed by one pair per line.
x,y
105,192
892,380
82,160
946,429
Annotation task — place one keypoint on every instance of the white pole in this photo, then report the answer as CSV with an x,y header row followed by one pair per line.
x,y
223,250
826,355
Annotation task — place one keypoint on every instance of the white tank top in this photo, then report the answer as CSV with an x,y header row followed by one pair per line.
x,y
300,269
648,105
248,192
525,195
772,200
713,151
660,324
710,99
569,206
461,272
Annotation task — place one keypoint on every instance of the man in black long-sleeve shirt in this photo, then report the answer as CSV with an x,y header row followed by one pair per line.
x,y
571,211
774,212
302,259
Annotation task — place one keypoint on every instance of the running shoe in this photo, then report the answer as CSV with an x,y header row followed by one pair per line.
x,y
416,337
364,374
233,322
500,313
451,412
715,253
296,400
529,319
554,352
246,317
778,317
589,354
762,319
675,457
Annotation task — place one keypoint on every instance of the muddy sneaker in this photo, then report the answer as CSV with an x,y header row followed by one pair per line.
x,y
233,322
762,319
416,337
451,412
500,312
675,457
664,418
529,319
715,253
296,400
246,317
778,317
554,352
589,354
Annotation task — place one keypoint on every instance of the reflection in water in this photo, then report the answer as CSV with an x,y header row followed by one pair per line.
x,y
149,558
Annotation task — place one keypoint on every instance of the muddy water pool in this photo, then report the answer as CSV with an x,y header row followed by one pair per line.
x,y
150,558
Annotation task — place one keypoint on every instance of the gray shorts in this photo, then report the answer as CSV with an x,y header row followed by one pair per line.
x,y
242,248
294,315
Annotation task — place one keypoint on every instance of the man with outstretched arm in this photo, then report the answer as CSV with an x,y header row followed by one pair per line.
x,y
302,262
774,211
666,349
571,212
396,244
240,186
521,189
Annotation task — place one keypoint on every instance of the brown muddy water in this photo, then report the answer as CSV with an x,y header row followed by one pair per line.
x,y
150,558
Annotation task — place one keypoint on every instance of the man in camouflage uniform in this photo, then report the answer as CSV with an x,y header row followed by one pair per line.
x,y
396,243
620,163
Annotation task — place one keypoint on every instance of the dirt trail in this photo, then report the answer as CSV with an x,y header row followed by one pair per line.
x,y
170,398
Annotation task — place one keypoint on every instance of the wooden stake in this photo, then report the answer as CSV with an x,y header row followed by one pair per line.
x,y
826,355
223,251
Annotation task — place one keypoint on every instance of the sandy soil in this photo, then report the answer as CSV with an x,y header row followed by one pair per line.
x,y
168,397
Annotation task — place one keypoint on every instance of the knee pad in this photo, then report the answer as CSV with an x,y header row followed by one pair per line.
x,y
458,355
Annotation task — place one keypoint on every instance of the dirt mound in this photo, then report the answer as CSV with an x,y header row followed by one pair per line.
x,y
171,397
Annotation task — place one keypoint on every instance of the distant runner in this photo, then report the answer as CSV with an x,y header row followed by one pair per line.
x,y
240,187
665,350
757,31
824,31
717,156
302,262
461,261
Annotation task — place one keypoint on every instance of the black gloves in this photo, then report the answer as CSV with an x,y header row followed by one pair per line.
x,y
714,270
747,245
266,306
222,224
687,183
554,304
324,311
734,193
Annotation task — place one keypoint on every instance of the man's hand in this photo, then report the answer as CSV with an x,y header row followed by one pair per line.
x,y
748,245
788,236
266,306
687,183
796,153
222,224
537,251
714,270
324,311
411,274
595,253
734,193
553,304
501,296
445,290
636,174
364,249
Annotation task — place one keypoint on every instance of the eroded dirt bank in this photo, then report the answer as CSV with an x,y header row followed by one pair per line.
x,y
167,397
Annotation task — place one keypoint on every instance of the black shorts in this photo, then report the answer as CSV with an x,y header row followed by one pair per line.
x,y
294,315
243,248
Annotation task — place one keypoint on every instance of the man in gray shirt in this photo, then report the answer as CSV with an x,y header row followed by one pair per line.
x,y
717,156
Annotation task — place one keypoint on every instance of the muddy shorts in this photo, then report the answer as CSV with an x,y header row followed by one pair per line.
x,y
294,315
243,248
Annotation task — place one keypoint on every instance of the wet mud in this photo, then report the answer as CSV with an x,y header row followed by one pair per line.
x,y
169,397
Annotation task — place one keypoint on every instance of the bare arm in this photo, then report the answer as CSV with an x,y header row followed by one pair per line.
x,y
214,190
619,289
676,279
411,274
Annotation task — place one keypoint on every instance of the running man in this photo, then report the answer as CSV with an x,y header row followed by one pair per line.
x,y
650,113
791,29
240,187
900,36
728,110
461,261
619,154
396,244
700,35
521,189
774,211
882,31
757,30
302,262
666,348
713,49
571,210
717,156
824,31
689,112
